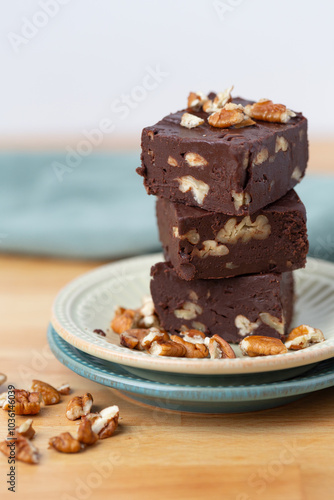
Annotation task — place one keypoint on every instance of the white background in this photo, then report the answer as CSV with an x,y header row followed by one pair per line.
x,y
65,78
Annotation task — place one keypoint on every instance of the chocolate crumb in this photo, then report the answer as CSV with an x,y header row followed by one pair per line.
x,y
100,332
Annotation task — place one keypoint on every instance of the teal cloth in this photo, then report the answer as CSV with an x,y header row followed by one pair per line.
x,y
100,209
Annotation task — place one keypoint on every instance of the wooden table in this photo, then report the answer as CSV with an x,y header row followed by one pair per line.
x,y
284,453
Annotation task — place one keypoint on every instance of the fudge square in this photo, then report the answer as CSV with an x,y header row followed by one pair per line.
x,y
210,245
236,171
259,304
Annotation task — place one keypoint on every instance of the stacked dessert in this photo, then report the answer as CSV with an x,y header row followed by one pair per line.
x,y
231,225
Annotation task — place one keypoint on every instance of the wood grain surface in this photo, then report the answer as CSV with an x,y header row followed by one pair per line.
x,y
284,453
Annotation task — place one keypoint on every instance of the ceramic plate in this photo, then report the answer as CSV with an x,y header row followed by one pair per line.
x,y
208,399
88,303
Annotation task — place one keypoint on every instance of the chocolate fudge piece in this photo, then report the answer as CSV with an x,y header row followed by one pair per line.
x,y
259,304
211,245
236,171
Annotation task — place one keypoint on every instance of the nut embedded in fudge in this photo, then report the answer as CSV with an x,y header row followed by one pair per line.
x,y
211,245
236,170
233,308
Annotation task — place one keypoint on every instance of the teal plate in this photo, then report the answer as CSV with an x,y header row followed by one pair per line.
x,y
191,398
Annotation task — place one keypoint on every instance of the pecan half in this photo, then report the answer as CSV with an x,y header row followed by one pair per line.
x,y
226,117
65,443
303,336
192,350
267,111
219,348
79,406
257,345
104,423
49,394
167,348
25,451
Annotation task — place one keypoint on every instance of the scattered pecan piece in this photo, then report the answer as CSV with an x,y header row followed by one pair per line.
x,y
3,399
104,423
221,99
192,350
231,114
190,121
85,433
257,345
153,335
246,122
194,336
49,394
26,429
124,319
267,111
167,348
196,100
79,406
25,451
303,336
64,389
3,378
219,348
132,338
65,443
26,403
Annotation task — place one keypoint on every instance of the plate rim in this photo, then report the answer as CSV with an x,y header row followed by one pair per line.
x,y
273,390
180,365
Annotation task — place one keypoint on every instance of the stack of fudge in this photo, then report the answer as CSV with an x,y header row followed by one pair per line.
x,y
231,225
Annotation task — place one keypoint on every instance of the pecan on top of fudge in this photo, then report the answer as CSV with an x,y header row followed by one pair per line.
x,y
225,154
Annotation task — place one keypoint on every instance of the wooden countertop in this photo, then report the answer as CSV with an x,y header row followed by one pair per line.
x,y
284,453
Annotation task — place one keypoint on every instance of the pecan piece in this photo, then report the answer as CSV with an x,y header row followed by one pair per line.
x,y
303,336
132,338
79,406
26,429
26,403
267,111
153,334
64,389
226,117
257,345
219,348
104,423
49,394
65,443
192,350
194,336
24,450
167,348
124,319
190,121
86,435
196,100
3,378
